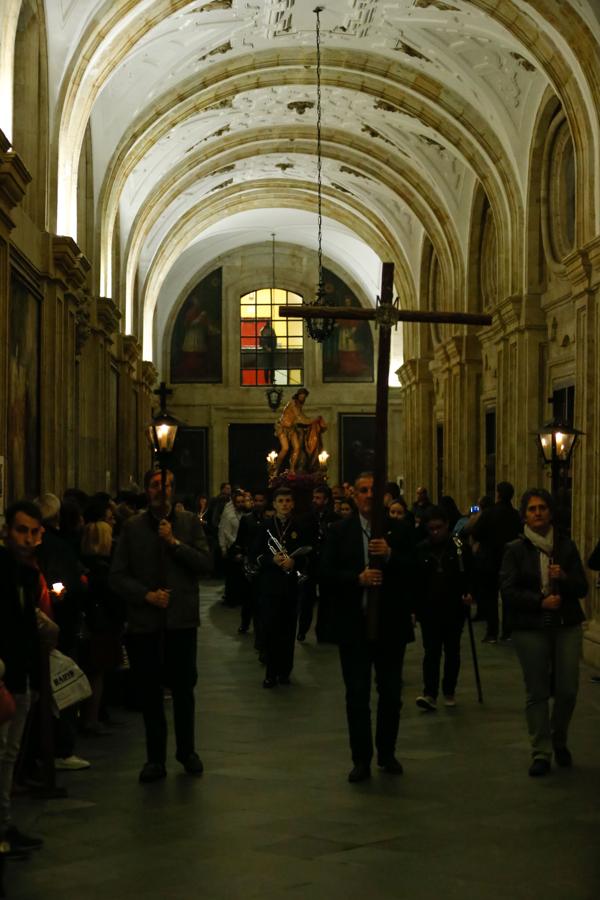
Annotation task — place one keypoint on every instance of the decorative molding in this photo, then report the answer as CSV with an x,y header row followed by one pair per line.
x,y
108,315
131,350
69,263
83,324
149,374
14,178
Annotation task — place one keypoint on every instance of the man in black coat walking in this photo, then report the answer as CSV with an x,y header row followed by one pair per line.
x,y
347,566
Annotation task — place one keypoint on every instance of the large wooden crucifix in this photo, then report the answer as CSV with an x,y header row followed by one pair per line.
x,y
386,315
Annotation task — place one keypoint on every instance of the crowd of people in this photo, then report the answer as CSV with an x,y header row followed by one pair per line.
x,y
114,586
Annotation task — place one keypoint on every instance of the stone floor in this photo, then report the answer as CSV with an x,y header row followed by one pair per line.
x,y
274,816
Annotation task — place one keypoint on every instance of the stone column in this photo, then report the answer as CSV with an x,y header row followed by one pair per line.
x,y
583,271
146,401
462,427
417,428
65,271
14,179
107,319
130,436
519,331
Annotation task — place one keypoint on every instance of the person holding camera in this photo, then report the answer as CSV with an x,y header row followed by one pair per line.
x,y
542,581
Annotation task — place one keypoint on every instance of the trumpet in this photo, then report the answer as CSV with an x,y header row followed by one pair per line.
x,y
275,546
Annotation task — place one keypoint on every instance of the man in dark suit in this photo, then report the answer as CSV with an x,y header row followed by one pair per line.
x,y
347,564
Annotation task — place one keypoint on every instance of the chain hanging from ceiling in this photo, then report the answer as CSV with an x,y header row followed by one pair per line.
x,y
319,329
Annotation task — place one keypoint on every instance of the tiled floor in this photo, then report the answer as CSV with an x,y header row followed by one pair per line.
x,y
274,817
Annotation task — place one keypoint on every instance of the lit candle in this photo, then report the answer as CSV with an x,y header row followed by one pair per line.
x,y
271,457
58,587
323,457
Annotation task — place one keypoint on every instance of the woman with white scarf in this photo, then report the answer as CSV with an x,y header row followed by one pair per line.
x,y
542,580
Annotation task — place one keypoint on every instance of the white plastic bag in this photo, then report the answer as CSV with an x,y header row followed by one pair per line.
x,y
69,684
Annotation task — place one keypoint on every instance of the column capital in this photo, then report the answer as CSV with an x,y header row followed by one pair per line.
x,y
583,267
14,178
65,262
131,351
414,371
149,374
108,315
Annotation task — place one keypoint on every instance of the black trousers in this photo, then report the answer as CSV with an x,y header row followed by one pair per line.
x,y
441,636
159,660
278,626
358,659
308,597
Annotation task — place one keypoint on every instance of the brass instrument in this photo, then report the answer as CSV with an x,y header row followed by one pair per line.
x,y
275,546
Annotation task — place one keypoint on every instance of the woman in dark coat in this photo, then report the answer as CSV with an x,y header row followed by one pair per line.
x,y
542,580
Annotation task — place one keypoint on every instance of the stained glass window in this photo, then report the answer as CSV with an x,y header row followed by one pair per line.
x,y
271,346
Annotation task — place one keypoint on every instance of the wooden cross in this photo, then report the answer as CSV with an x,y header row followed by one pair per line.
x,y
386,315
163,392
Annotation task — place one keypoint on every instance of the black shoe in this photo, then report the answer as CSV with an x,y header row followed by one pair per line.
x,y
360,772
152,772
284,679
539,767
270,683
20,841
301,637
192,764
392,766
563,757
243,629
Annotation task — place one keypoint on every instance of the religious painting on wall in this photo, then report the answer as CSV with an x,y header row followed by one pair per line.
x,y
357,445
23,461
189,462
348,353
196,339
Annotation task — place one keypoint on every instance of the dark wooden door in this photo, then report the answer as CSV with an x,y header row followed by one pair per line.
x,y
249,445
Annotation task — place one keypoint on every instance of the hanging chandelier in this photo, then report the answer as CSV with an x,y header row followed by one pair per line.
x,y
319,329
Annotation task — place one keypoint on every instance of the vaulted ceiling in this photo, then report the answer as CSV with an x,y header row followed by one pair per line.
x,y
202,118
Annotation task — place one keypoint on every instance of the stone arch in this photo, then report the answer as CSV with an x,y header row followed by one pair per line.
x,y
9,18
482,272
535,280
379,239
558,199
432,214
30,104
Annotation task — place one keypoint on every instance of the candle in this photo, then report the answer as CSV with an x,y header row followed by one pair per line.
x,y
58,587
323,457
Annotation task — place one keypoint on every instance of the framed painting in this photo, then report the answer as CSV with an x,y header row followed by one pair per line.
x,y
357,445
348,352
196,338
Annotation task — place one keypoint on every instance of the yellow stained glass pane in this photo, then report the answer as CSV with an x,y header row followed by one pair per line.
x,y
248,312
248,298
279,296
295,376
279,328
295,327
263,295
295,343
294,298
263,312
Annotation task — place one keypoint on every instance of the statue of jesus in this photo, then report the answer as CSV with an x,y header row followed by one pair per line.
x,y
299,436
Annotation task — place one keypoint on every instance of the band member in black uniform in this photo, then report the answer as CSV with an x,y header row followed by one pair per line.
x,y
277,539
249,527
316,524
346,564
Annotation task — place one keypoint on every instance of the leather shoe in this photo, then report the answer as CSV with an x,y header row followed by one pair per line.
x,y
360,772
152,772
539,767
193,765
392,766
563,757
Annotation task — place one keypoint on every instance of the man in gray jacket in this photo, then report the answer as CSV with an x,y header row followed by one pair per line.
x,y
156,566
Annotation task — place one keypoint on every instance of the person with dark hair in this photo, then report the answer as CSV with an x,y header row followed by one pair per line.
x,y
441,602
249,527
19,653
235,582
542,581
316,524
391,492
156,568
493,530
348,567
271,555
453,514
347,508
421,505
